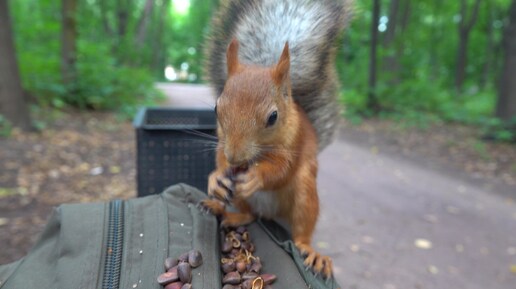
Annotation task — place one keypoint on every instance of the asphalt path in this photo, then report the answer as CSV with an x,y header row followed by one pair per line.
x,y
392,223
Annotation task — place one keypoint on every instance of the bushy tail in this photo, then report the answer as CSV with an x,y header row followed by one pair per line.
x,y
262,27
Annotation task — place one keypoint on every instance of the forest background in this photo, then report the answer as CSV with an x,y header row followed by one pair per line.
x,y
422,62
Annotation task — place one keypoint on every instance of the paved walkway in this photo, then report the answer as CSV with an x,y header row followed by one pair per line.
x,y
187,95
389,223
392,224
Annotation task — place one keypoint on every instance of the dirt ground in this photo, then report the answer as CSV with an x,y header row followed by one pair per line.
x,y
452,147
89,157
81,157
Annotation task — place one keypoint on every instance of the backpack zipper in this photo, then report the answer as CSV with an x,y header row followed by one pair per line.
x,y
113,260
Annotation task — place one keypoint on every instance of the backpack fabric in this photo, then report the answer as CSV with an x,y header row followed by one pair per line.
x,y
123,244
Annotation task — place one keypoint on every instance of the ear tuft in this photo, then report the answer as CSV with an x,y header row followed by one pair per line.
x,y
282,70
232,57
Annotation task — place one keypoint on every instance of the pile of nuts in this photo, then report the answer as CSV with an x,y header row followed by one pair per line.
x,y
240,267
178,273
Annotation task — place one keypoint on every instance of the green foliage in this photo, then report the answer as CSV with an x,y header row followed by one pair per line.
x,y
116,69
420,89
112,73
103,85
37,29
5,127
42,116
421,104
355,106
498,130
186,35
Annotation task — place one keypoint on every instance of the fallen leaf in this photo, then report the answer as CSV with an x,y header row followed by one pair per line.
x,y
513,268
84,166
423,244
4,192
322,245
114,169
354,248
23,191
54,174
432,269
96,171
3,221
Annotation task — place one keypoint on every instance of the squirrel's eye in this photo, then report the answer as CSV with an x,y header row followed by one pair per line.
x,y
272,118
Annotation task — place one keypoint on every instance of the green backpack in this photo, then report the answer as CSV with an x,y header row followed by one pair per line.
x,y
123,244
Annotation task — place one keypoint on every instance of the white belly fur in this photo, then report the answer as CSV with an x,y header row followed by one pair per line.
x,y
263,204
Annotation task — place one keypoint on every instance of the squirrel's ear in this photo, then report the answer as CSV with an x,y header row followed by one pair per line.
x,y
232,57
282,70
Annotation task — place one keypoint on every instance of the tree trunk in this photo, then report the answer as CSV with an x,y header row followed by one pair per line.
x,y
69,44
435,37
105,22
390,61
465,26
390,33
462,59
490,47
372,101
13,104
405,16
121,45
159,55
143,23
506,106
123,18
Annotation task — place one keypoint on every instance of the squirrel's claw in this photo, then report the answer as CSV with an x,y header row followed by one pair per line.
x,y
220,187
227,185
318,263
212,206
202,208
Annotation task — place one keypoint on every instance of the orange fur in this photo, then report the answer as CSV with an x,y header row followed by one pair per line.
x,y
288,170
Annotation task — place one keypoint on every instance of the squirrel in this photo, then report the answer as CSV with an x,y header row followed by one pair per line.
x,y
274,114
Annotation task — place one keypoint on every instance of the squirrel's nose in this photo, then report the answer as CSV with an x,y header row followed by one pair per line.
x,y
235,158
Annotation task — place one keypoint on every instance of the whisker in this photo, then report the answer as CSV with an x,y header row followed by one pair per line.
x,y
201,134
208,150
204,141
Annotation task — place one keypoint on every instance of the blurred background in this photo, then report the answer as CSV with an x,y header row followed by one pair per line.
x,y
426,85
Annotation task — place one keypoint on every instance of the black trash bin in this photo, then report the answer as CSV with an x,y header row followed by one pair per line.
x,y
173,147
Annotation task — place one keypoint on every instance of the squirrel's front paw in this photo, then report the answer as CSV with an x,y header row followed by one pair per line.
x,y
246,184
318,263
212,206
220,186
